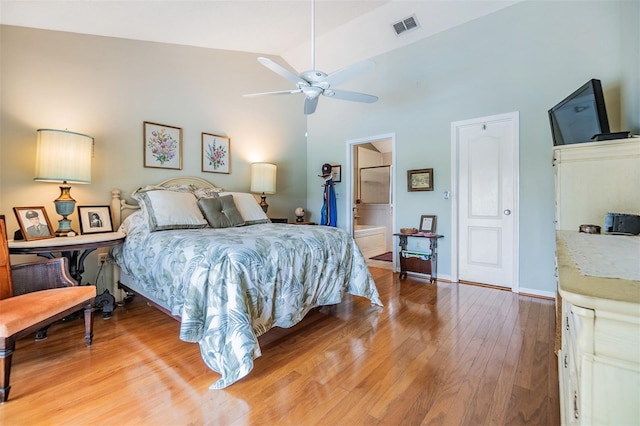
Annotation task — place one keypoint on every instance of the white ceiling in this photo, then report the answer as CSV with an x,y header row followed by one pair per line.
x,y
346,31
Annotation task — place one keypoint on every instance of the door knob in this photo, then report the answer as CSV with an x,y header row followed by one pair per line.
x,y
507,212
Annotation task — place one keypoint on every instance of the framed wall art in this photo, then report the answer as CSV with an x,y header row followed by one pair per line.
x,y
34,223
216,153
95,219
336,173
420,180
162,146
428,224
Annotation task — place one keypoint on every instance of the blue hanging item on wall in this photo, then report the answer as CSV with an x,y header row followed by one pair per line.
x,y
329,214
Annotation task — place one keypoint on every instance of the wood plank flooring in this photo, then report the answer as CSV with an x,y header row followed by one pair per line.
x,y
442,353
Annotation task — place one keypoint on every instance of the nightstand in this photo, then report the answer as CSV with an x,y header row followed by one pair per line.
x,y
75,249
303,223
279,220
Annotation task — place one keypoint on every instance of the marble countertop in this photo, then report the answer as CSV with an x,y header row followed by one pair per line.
x,y
596,292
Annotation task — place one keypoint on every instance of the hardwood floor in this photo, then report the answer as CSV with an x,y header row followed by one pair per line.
x,y
435,354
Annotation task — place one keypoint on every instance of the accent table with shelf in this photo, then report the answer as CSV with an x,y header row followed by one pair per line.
x,y
416,261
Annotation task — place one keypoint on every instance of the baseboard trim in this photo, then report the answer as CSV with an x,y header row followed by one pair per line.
x,y
543,294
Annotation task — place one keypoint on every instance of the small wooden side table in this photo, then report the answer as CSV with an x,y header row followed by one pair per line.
x,y
75,249
415,261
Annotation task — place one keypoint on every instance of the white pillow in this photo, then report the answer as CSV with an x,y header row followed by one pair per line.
x,y
134,221
207,192
167,209
248,207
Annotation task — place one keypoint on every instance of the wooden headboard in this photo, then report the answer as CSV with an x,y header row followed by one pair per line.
x,y
120,209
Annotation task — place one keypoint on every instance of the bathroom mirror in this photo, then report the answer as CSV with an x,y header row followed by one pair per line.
x,y
374,185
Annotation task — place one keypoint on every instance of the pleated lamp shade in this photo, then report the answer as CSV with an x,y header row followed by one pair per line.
x,y
263,181
63,156
263,178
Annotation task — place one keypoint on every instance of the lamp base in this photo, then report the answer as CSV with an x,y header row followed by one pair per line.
x,y
64,227
263,203
64,207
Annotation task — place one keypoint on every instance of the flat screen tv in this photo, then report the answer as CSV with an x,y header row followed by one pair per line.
x,y
580,116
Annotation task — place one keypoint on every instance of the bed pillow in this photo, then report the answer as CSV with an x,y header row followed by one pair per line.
x,y
220,212
167,209
248,207
207,192
133,222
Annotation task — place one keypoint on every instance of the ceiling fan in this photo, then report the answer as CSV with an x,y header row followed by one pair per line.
x,y
314,83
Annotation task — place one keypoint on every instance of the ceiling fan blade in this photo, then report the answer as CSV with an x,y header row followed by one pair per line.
x,y
310,105
280,70
350,96
277,92
349,72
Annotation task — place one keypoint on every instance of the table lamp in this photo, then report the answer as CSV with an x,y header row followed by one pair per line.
x,y
63,156
263,180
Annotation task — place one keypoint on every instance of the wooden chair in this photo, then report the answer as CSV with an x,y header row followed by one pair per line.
x,y
45,294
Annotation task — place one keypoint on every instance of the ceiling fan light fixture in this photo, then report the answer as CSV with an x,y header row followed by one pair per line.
x,y
312,92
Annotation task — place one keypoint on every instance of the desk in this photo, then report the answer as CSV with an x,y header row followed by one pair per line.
x,y
75,249
415,261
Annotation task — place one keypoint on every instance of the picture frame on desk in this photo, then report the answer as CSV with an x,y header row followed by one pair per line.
x,y
95,219
428,224
34,223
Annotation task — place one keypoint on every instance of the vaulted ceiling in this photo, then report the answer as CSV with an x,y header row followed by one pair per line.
x,y
346,31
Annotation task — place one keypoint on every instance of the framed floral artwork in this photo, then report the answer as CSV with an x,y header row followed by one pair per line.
x,y
162,146
216,153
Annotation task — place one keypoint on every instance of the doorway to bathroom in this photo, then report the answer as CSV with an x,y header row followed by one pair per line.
x,y
371,198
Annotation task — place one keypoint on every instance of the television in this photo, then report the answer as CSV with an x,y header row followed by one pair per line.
x,y
581,116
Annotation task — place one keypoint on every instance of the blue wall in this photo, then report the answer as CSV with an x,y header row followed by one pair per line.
x,y
523,58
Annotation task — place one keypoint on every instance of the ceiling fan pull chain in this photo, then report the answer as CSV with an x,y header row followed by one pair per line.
x,y
313,34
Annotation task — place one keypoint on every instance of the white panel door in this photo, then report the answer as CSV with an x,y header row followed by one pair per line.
x,y
487,197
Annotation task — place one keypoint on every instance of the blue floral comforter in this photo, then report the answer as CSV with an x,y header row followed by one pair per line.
x,y
231,285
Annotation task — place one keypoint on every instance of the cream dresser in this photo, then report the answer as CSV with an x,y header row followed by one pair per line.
x,y
599,358
598,284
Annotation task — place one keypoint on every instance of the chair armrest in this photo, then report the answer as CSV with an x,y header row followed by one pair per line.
x,y
36,276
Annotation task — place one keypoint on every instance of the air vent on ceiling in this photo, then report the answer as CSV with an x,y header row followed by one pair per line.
x,y
406,24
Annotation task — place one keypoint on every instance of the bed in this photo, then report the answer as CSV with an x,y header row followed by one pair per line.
x,y
213,260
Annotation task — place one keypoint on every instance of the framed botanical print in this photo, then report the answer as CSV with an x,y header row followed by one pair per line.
x,y
95,219
420,180
34,223
216,153
162,146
